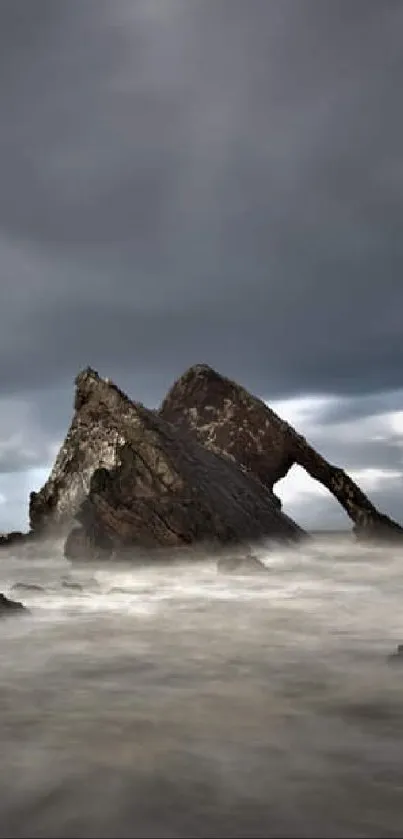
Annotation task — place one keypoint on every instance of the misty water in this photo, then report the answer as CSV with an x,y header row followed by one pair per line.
x,y
175,702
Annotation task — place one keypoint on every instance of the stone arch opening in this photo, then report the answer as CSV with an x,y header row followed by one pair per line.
x,y
311,504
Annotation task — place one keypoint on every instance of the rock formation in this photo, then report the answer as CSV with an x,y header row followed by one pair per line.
x,y
230,421
130,478
201,469
10,607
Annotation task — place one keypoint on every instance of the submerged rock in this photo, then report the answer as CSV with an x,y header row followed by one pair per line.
x,y
10,607
73,586
241,565
229,420
27,587
397,656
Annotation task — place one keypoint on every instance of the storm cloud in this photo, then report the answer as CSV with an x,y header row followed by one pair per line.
x,y
216,181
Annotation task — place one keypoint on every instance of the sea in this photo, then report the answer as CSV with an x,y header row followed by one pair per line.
x,y
171,701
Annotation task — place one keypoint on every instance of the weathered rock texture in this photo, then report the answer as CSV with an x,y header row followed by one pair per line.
x,y
130,478
91,442
230,421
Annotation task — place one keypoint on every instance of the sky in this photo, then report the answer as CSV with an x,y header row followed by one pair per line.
x,y
213,181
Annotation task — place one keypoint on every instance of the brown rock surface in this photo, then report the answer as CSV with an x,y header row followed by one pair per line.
x,y
230,421
130,478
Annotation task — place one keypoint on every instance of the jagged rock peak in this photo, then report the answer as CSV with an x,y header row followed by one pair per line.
x,y
88,382
206,376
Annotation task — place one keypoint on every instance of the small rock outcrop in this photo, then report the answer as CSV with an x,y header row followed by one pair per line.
x,y
397,656
230,421
129,478
10,607
15,537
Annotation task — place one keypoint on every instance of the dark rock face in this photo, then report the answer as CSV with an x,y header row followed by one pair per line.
x,y
230,421
130,478
10,607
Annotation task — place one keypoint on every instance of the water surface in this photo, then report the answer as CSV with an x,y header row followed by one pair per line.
x,y
172,702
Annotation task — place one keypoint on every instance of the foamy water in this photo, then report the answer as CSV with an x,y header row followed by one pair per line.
x,y
174,702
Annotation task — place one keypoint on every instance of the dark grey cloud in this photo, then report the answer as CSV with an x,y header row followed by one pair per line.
x,y
347,409
356,433
215,180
